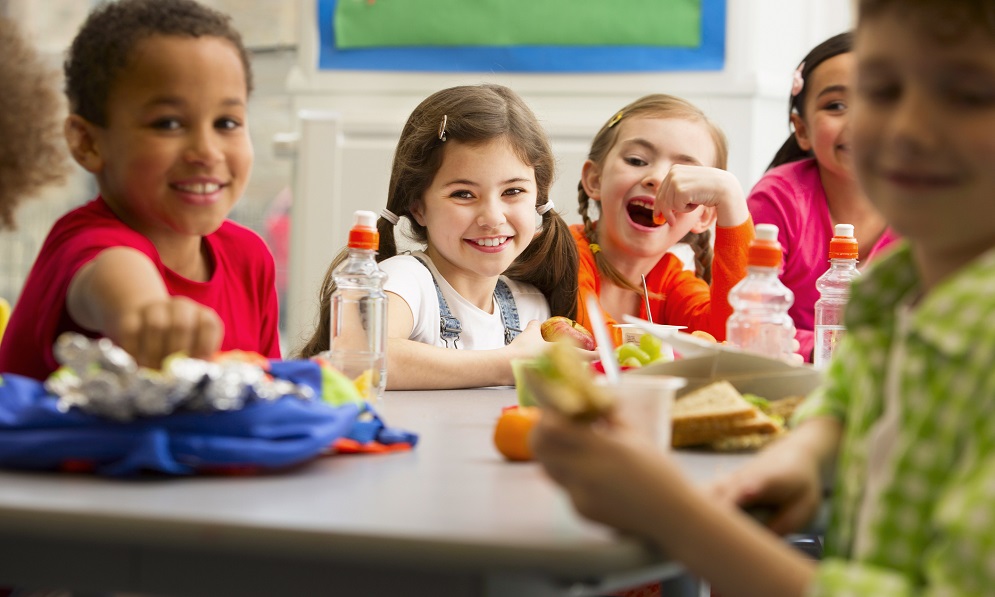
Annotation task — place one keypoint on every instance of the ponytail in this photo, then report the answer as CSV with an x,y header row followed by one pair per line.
x,y
550,263
789,152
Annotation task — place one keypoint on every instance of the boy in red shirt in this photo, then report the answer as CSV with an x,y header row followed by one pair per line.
x,y
158,93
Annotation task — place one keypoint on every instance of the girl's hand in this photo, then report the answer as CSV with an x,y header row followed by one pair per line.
x,y
529,343
782,478
686,187
610,473
160,328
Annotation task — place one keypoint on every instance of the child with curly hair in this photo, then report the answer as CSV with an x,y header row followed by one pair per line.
x,y
158,96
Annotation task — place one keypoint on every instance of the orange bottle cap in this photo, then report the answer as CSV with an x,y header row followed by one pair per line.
x,y
843,245
765,251
363,234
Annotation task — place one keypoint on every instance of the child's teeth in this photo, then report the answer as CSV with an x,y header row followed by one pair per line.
x,y
491,242
201,188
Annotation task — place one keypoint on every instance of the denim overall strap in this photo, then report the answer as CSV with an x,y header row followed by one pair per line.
x,y
509,311
449,326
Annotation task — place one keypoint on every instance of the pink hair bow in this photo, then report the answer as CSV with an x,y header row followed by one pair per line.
x,y
797,82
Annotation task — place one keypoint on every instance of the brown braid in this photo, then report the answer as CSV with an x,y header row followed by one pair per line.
x,y
701,242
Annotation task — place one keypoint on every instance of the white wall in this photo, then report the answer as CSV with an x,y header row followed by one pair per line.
x,y
352,119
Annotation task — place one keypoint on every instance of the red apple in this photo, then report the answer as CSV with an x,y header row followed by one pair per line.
x,y
559,327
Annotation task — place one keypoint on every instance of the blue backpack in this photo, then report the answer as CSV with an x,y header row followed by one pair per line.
x,y
265,435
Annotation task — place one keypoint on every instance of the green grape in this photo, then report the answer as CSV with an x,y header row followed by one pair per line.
x,y
631,351
631,362
652,346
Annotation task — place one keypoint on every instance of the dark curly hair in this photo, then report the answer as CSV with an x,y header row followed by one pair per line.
x,y
32,150
105,42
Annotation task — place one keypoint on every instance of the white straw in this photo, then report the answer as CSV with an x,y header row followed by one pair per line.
x,y
605,346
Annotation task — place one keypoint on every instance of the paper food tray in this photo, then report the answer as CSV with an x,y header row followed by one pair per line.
x,y
704,362
748,373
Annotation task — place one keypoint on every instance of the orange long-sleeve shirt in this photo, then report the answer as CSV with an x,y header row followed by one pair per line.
x,y
683,298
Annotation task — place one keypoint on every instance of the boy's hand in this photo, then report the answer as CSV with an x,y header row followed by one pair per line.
x,y
612,475
782,478
121,295
158,329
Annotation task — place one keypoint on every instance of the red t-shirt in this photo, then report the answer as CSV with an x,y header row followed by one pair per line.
x,y
242,289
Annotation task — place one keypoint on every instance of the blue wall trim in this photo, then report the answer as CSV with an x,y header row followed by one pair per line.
x,y
709,56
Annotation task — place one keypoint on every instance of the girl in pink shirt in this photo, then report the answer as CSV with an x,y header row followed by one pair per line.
x,y
810,185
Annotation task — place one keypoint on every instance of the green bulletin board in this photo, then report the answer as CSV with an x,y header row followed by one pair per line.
x,y
390,23
536,36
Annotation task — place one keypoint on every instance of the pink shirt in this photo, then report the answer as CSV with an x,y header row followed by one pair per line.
x,y
791,197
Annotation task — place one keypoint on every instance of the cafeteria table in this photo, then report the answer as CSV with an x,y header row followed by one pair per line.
x,y
449,518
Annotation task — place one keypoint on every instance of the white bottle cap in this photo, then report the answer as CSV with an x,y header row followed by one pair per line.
x,y
364,219
766,232
845,230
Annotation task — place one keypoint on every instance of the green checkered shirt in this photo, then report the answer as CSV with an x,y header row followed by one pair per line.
x,y
932,531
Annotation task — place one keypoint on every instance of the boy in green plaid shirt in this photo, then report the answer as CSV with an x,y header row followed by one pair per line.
x,y
905,418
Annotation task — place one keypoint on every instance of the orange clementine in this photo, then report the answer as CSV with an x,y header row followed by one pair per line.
x,y
511,433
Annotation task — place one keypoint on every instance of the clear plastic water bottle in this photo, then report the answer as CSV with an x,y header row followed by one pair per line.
x,y
834,291
760,322
358,316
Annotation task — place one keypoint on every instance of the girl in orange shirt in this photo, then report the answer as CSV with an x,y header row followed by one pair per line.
x,y
656,176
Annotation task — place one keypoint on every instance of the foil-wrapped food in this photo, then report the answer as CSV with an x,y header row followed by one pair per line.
x,y
102,379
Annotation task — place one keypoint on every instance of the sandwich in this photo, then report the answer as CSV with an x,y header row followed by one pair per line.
x,y
560,380
715,413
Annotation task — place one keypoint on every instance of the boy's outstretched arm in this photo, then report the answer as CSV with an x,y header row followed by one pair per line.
x,y
618,479
786,476
121,295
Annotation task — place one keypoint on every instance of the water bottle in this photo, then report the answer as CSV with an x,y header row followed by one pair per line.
x,y
834,291
760,322
358,317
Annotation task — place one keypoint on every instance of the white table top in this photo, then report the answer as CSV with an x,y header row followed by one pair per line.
x,y
452,502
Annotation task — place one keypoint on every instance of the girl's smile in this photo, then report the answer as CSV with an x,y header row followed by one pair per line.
x,y
175,154
490,244
824,130
480,213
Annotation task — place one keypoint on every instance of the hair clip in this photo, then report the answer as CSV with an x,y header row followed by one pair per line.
x,y
442,128
542,209
615,119
595,248
797,82
389,216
